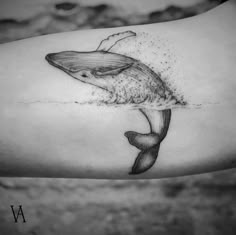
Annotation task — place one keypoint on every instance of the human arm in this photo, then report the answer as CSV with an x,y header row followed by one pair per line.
x,y
49,129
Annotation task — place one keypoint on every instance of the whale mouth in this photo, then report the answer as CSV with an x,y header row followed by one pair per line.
x,y
52,59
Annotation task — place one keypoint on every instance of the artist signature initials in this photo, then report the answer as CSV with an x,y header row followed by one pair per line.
x,y
18,213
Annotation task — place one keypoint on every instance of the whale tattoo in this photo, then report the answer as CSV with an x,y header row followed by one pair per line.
x,y
128,80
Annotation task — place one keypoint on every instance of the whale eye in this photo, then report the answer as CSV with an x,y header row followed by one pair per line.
x,y
84,75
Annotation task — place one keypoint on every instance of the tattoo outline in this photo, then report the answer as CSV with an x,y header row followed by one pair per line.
x,y
129,81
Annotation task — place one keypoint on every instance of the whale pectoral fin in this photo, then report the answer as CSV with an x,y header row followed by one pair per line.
x,y
109,42
145,160
111,70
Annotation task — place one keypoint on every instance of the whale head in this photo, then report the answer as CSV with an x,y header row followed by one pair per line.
x,y
97,68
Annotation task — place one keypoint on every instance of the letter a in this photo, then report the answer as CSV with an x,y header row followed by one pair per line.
x,y
20,212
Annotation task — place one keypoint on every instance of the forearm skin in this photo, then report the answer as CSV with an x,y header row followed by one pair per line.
x,y
50,125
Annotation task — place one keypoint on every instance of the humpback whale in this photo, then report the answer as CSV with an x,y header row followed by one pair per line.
x,y
128,80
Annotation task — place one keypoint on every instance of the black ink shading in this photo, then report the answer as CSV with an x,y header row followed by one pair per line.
x,y
129,81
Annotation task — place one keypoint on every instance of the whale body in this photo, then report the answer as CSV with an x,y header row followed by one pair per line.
x,y
128,80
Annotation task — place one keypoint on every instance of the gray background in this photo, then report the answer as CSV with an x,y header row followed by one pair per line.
x,y
200,205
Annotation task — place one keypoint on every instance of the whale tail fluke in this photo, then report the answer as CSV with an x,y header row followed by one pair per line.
x,y
142,141
149,145
145,160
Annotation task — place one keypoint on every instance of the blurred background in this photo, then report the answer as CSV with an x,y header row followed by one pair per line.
x,y
200,205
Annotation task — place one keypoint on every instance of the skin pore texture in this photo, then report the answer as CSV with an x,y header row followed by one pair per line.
x,y
147,101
